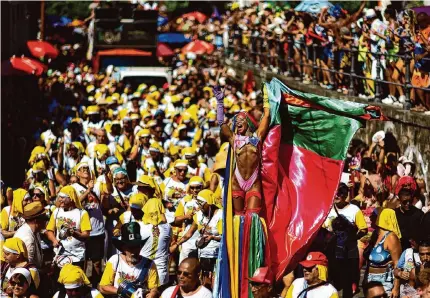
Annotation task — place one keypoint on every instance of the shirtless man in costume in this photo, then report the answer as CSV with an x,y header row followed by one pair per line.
x,y
246,141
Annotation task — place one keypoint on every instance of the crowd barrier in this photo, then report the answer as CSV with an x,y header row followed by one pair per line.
x,y
272,53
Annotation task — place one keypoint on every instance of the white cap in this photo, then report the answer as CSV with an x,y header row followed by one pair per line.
x,y
370,13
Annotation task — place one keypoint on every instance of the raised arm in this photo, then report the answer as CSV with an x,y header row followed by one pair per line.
x,y
263,128
225,129
355,16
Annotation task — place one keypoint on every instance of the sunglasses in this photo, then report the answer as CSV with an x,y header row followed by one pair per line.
x,y
309,269
184,273
38,195
195,187
19,284
84,169
385,295
181,170
257,286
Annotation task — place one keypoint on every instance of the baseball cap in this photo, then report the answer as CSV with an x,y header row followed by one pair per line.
x,y
261,275
111,160
314,258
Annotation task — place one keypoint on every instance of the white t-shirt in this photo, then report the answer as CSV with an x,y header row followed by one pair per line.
x,y
324,291
178,186
189,206
124,194
94,294
94,209
199,171
201,293
163,165
156,248
211,250
91,146
76,218
350,212
117,268
70,163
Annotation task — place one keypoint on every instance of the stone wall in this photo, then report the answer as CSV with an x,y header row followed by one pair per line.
x,y
410,128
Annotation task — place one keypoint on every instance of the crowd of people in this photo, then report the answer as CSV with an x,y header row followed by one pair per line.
x,y
291,42
123,191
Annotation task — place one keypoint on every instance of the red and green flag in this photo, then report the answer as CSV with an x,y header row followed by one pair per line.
x,y
303,157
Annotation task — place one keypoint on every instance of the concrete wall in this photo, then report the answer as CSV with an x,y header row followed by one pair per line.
x,y
410,128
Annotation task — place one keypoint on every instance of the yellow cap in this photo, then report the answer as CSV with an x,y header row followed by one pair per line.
x,y
174,150
186,117
196,180
138,200
15,246
151,123
91,110
228,102
155,147
234,109
146,114
209,89
73,277
189,152
181,163
175,98
143,133
115,96
206,196
90,88
211,116
181,127
187,99
134,116
142,87
39,167
101,149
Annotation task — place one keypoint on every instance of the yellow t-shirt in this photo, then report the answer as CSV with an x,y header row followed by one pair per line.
x,y
118,270
8,222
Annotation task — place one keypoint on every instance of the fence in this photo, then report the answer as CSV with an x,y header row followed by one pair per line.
x,y
261,51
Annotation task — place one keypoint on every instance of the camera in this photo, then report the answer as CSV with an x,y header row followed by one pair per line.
x,y
63,233
126,289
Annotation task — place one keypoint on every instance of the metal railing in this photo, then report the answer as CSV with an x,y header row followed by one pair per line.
x,y
260,51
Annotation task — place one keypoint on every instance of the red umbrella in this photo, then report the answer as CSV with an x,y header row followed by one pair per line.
x,y
163,50
196,15
42,49
198,47
28,65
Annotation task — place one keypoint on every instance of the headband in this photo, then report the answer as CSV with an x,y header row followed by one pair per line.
x,y
181,164
249,119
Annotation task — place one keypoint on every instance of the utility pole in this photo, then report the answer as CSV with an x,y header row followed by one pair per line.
x,y
42,20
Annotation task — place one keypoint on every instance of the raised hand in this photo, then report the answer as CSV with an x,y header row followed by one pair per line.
x,y
219,94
